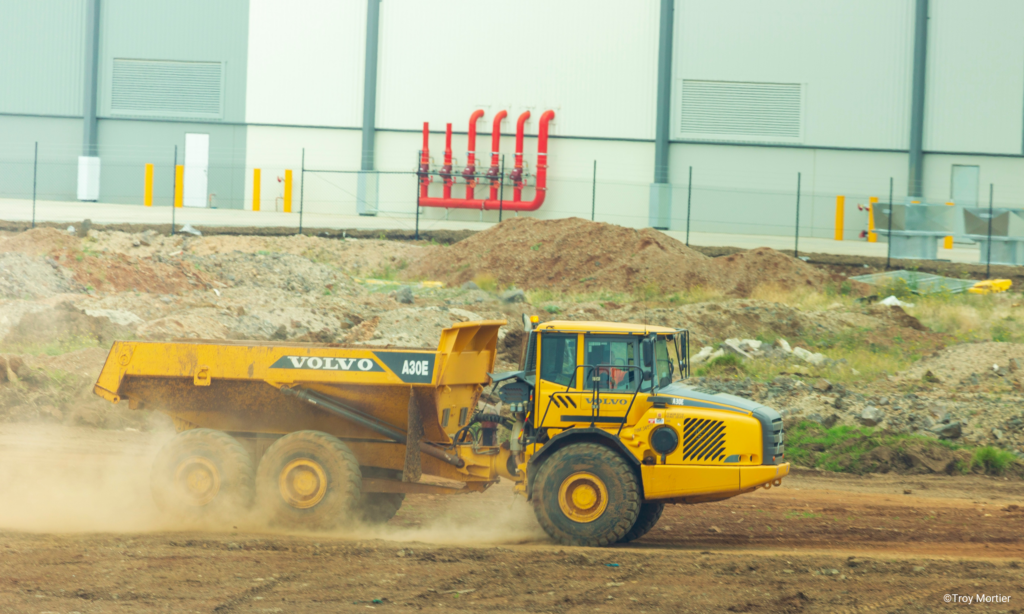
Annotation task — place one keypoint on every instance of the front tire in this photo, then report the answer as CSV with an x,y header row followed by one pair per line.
x,y
586,495
202,473
309,479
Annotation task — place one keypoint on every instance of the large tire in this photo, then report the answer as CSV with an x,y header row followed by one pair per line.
x,y
203,473
308,479
649,515
586,495
380,507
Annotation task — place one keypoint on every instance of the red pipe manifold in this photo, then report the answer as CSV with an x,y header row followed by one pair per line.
x,y
493,172
517,173
446,170
468,174
492,204
424,172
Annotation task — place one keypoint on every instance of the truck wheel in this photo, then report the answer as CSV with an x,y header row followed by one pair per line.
x,y
310,479
202,473
586,495
380,507
645,521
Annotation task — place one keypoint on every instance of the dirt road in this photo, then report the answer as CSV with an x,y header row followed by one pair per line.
x,y
78,533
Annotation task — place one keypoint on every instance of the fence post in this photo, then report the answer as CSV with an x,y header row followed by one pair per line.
x,y
35,172
593,193
689,193
287,191
302,187
255,189
888,236
872,235
840,216
988,259
419,154
501,190
147,189
796,241
174,190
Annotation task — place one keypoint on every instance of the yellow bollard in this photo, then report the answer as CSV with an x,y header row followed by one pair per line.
x,y
872,235
147,191
287,191
840,205
255,189
179,185
948,241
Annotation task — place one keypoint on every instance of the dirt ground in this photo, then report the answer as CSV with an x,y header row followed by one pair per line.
x,y
79,533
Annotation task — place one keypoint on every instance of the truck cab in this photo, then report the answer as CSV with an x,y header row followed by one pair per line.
x,y
609,396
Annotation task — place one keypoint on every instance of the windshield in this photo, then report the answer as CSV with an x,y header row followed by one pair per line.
x,y
666,360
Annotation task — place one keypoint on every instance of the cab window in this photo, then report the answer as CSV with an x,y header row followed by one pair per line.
x,y
558,358
609,360
664,367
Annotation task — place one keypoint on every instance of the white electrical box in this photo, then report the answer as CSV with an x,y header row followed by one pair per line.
x,y
88,178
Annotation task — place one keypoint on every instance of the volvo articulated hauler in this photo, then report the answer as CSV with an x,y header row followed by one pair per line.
x,y
602,435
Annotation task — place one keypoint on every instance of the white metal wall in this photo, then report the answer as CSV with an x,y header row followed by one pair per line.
x,y
594,62
975,76
853,58
305,62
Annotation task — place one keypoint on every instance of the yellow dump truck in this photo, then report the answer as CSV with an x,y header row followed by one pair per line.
x,y
600,434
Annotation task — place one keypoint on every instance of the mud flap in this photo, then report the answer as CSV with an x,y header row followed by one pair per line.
x,y
413,470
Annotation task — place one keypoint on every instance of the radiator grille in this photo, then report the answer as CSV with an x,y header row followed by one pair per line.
x,y
778,440
733,110
163,88
703,440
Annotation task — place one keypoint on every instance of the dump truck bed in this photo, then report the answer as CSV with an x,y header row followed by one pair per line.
x,y
236,387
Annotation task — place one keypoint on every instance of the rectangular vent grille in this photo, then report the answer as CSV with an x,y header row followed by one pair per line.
x,y
164,88
778,440
736,110
703,440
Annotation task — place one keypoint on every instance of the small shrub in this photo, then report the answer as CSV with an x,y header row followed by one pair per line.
x,y
553,309
486,282
728,365
993,460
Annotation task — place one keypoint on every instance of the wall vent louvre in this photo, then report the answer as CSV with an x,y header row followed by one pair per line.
x,y
165,88
736,110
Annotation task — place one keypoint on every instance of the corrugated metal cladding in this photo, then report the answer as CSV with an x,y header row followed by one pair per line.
x,y
741,110
41,56
167,89
183,31
306,62
593,61
853,59
975,77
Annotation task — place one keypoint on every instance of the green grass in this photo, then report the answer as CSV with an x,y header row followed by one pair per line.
x,y
726,365
993,460
51,348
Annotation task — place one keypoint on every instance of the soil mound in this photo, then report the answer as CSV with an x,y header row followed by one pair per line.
x,y
38,241
959,362
26,276
575,255
64,324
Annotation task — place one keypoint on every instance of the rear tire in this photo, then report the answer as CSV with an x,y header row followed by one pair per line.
x,y
202,473
379,507
309,479
586,495
649,515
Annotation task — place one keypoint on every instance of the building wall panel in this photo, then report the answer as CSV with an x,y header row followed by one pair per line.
x,y
42,45
306,62
853,59
593,62
975,76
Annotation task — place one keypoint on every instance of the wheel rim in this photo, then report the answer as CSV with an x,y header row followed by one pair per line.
x,y
583,497
198,480
303,483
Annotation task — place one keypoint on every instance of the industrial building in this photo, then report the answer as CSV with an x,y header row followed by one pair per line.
x,y
746,94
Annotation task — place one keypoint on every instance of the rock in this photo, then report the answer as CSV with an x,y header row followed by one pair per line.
x,y
750,345
513,296
813,358
930,378
86,226
1014,365
823,385
702,355
830,421
404,295
883,401
783,345
714,529
189,229
464,316
470,285
732,346
871,416
717,353
952,430
998,434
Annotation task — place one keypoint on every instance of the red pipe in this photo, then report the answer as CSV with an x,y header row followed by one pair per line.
x,y
490,205
470,170
517,172
446,170
492,173
424,172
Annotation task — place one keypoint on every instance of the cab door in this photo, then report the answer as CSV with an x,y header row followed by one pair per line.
x,y
559,378
614,378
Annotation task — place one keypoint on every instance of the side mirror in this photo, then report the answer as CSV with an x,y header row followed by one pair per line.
x,y
647,347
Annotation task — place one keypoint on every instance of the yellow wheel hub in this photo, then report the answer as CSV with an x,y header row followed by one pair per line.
x,y
583,497
198,479
303,483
